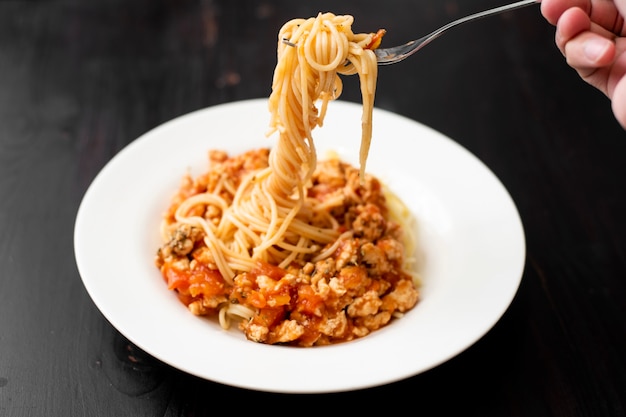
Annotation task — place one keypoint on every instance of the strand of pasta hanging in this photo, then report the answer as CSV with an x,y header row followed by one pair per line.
x,y
265,214
306,74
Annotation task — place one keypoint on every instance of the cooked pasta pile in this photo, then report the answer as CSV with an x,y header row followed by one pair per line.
x,y
250,238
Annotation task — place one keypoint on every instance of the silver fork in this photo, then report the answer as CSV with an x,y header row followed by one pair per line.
x,y
386,56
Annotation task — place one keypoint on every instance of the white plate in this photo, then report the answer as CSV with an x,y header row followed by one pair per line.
x,y
470,235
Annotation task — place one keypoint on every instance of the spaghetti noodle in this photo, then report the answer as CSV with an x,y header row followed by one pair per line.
x,y
240,239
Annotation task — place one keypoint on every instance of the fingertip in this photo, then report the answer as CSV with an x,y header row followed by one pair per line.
x,y
589,51
618,102
572,22
552,10
598,50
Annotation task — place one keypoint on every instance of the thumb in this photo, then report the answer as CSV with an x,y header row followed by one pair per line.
x,y
618,102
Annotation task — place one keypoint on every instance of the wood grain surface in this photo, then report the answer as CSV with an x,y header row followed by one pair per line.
x,y
80,80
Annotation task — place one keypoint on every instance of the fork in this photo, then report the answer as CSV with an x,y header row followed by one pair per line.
x,y
387,56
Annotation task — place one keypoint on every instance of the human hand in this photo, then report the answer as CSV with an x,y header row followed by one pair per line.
x,y
591,36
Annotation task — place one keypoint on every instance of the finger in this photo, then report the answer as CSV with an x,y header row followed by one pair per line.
x,y
618,104
607,15
553,9
571,23
617,89
621,6
589,51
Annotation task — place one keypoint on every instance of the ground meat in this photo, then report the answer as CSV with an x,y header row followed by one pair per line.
x,y
335,326
375,258
402,298
287,331
365,305
255,332
358,288
372,322
203,255
348,253
370,223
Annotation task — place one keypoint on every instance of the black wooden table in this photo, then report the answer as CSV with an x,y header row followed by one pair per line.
x,y
80,80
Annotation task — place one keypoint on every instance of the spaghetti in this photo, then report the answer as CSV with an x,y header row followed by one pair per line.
x,y
246,238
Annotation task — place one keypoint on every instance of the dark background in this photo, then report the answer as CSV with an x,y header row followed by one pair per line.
x,y
79,80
